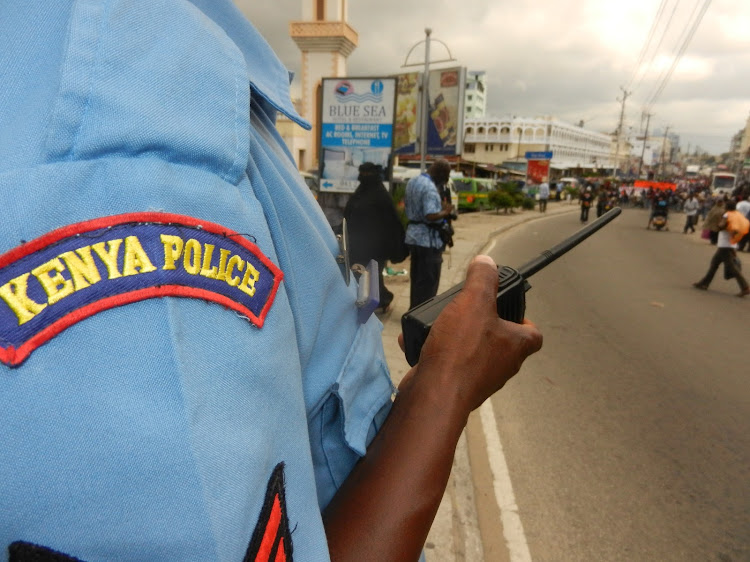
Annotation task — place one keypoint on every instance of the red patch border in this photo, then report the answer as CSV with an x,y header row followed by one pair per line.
x,y
13,356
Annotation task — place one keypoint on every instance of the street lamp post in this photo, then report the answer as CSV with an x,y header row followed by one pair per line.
x,y
425,105
425,102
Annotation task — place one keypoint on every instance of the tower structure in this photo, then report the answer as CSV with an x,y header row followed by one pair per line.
x,y
475,104
326,40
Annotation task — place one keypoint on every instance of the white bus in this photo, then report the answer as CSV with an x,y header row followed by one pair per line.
x,y
722,183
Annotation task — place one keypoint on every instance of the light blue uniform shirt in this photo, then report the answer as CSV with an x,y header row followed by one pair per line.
x,y
422,199
157,429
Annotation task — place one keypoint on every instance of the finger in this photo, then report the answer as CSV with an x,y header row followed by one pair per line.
x,y
482,278
401,343
533,337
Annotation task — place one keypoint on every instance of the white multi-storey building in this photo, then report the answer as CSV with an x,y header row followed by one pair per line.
x,y
496,140
475,97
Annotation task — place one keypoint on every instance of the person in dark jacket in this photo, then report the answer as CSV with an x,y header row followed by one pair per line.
x,y
587,197
375,231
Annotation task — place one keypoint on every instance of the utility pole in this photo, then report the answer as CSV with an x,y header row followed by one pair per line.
x,y
643,150
619,128
663,149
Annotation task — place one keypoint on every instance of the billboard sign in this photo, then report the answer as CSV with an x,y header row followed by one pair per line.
x,y
444,117
407,113
537,171
356,127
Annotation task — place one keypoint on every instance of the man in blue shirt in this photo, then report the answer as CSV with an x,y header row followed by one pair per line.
x,y
183,375
426,213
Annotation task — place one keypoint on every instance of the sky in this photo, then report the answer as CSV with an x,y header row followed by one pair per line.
x,y
685,62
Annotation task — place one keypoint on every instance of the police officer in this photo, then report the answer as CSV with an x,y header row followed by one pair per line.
x,y
183,374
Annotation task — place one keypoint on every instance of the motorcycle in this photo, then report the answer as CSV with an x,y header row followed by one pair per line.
x,y
659,222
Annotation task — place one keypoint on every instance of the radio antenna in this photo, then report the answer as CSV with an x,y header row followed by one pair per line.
x,y
548,256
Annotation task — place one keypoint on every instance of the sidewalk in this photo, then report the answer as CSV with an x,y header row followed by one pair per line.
x,y
454,535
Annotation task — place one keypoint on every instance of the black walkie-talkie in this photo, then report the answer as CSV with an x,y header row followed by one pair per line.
x,y
511,293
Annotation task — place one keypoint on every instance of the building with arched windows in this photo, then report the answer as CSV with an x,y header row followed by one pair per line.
x,y
505,140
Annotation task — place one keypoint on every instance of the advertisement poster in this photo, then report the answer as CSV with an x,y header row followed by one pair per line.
x,y
537,171
407,113
444,116
356,127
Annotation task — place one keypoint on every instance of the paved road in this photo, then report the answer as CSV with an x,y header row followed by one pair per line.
x,y
628,436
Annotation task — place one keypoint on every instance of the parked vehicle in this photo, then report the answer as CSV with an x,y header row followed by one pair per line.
x,y
723,183
568,182
692,171
472,193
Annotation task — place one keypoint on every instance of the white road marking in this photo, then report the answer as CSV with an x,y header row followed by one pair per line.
x,y
506,501
487,250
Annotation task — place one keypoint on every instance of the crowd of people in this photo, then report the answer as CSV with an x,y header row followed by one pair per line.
x,y
428,210
724,219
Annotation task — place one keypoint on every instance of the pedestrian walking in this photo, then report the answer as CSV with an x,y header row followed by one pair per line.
x,y
543,195
744,208
732,227
586,199
712,220
691,213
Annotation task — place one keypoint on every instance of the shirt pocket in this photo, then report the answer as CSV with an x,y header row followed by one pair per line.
x,y
351,413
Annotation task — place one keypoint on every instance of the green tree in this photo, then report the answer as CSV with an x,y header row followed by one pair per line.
x,y
501,199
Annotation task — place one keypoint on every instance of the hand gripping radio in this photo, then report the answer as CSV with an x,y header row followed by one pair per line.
x,y
511,293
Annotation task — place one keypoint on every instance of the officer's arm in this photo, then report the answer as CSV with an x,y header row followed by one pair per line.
x,y
385,508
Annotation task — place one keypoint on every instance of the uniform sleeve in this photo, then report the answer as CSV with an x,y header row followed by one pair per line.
x,y
347,384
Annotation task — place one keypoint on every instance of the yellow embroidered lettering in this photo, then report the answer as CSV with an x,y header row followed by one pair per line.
x,y
14,294
82,268
222,275
136,259
207,270
55,285
109,256
172,250
192,259
248,281
239,263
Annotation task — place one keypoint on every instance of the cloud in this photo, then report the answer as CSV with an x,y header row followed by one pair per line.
x,y
566,59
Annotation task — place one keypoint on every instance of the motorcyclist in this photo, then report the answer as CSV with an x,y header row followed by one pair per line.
x,y
660,208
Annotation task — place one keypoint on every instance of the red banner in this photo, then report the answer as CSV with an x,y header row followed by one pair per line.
x,y
537,171
656,185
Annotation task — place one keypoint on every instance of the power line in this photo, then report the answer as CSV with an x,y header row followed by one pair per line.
x,y
680,41
646,44
684,47
658,46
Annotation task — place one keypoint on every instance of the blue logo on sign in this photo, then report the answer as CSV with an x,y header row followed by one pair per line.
x,y
377,87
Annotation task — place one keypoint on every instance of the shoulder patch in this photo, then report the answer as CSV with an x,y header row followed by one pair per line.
x,y
272,538
63,277
21,551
